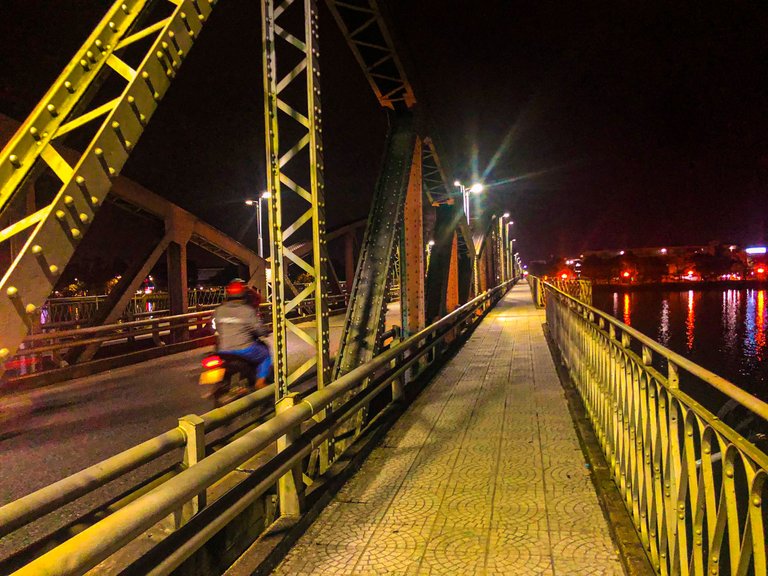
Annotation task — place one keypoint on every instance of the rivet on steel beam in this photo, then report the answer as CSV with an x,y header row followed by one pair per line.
x,y
172,36
68,85
68,200
91,56
124,8
37,249
52,110
35,133
148,81
94,201
60,214
12,292
4,353
190,31
120,136
112,26
84,64
30,308
15,161
103,161
99,45
84,217
141,118
53,269
75,233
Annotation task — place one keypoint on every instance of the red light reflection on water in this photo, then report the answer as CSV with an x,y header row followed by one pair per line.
x,y
690,321
760,325
627,310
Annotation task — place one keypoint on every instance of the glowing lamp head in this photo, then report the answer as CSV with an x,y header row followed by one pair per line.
x,y
431,243
477,188
505,215
249,202
456,183
266,195
626,274
761,270
690,272
564,276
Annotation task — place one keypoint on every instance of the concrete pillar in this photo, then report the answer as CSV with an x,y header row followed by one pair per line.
x,y
179,225
412,264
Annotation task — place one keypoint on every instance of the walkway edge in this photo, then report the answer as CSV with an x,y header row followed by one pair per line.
x,y
631,551
263,556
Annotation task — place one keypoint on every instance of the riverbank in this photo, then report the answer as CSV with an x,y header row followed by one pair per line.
x,y
682,286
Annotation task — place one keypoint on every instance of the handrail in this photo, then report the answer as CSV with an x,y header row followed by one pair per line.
x,y
731,390
89,547
694,486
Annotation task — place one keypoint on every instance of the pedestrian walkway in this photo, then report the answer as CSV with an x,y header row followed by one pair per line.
x,y
482,475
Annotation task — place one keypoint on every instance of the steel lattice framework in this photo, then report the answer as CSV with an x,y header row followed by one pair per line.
x,y
297,174
51,235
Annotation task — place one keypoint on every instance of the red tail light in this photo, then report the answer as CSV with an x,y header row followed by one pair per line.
x,y
212,362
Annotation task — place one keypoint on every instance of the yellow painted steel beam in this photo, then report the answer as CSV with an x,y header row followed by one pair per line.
x,y
85,182
287,38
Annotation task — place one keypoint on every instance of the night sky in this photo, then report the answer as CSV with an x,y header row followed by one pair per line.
x,y
597,124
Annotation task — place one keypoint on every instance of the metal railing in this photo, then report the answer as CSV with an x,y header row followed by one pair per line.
x,y
59,313
47,350
186,490
581,289
696,490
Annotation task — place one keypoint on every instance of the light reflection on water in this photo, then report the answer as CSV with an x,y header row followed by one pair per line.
x,y
722,330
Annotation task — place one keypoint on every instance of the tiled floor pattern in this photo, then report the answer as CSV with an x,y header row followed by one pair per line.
x,y
483,474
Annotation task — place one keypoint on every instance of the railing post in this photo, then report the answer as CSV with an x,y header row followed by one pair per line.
x,y
673,375
194,450
290,487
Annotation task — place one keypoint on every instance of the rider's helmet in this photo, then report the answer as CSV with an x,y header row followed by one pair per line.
x,y
236,289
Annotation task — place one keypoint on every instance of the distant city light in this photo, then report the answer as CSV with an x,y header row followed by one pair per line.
x,y
477,188
564,276
663,250
690,272
431,243
621,253
626,274
760,270
756,250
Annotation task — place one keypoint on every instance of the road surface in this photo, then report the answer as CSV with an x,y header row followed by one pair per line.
x,y
81,422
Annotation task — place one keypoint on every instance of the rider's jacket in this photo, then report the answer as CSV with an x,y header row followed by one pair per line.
x,y
238,325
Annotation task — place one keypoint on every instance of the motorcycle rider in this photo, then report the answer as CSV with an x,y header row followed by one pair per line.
x,y
240,330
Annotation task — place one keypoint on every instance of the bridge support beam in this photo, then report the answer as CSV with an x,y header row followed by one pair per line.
x,y
412,249
452,289
440,261
179,225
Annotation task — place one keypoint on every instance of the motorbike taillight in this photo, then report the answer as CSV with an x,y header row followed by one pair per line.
x,y
212,362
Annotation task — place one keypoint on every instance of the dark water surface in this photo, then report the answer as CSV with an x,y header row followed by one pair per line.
x,y
721,330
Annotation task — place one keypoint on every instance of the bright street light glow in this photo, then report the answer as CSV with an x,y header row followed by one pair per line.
x,y
477,188
506,215
266,195
456,183
431,242
249,202
756,250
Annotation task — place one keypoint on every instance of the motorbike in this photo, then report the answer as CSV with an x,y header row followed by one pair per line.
x,y
226,377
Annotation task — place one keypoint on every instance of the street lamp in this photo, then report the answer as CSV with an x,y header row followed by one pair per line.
x,y
476,188
257,203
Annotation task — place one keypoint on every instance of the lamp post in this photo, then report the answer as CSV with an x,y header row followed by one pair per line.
x,y
476,188
257,203
510,262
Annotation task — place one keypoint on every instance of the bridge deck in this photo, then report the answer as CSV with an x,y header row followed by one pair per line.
x,y
482,475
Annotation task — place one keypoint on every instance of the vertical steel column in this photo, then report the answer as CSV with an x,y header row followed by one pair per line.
x,y
452,289
292,179
176,259
412,264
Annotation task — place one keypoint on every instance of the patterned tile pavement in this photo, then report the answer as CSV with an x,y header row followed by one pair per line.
x,y
482,475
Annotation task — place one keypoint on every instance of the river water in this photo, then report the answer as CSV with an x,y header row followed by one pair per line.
x,y
721,330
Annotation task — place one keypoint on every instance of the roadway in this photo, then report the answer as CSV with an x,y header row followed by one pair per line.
x,y
67,427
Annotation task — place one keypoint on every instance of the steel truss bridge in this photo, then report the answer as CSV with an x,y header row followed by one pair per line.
x,y
694,489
